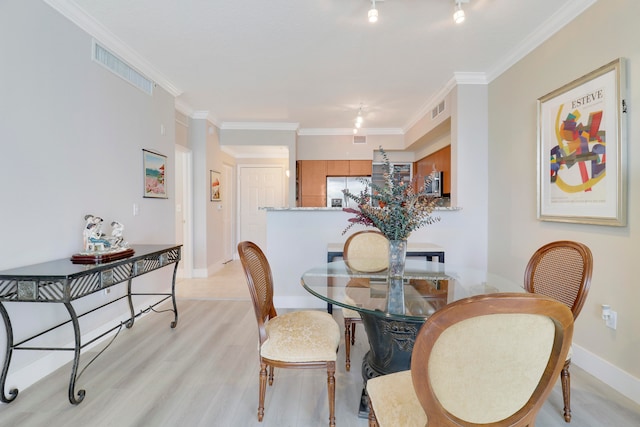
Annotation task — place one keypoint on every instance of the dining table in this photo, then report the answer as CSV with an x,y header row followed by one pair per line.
x,y
427,287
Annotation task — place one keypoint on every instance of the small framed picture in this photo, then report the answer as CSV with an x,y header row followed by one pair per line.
x,y
154,166
215,181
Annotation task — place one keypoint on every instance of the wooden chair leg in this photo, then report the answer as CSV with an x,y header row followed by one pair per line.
x,y
331,385
347,344
271,368
373,422
263,388
353,333
565,378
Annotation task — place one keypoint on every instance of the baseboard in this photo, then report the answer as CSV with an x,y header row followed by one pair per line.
x,y
203,273
621,381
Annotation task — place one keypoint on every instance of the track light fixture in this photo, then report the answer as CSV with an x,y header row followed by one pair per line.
x,y
458,14
359,120
373,12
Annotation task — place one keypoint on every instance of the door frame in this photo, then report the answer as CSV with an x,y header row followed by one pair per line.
x,y
185,155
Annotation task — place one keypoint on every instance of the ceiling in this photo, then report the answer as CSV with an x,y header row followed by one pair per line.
x,y
310,65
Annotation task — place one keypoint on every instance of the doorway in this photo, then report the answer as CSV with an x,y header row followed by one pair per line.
x,y
259,187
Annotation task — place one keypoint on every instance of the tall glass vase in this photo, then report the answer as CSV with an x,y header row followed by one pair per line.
x,y
395,290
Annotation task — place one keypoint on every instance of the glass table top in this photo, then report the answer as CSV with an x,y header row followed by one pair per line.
x,y
428,286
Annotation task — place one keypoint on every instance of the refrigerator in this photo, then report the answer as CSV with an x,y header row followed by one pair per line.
x,y
335,185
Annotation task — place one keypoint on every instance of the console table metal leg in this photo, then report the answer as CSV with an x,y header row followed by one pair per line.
x,y
129,323
173,296
76,356
13,393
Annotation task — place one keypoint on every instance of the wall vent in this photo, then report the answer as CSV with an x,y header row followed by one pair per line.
x,y
359,139
438,109
117,66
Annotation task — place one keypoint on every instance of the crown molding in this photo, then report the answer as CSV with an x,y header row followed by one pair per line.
x,y
470,78
259,126
86,22
349,131
201,114
183,107
431,102
565,14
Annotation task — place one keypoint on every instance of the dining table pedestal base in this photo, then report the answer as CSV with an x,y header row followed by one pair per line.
x,y
390,345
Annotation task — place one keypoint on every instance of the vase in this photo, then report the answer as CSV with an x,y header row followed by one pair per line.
x,y
395,290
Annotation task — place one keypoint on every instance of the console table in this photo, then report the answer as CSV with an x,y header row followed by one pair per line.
x,y
63,282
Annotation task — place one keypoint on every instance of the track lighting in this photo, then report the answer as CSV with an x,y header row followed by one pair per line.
x,y
373,12
458,15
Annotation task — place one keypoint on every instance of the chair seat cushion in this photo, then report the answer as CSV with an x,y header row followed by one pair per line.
x,y
347,313
395,402
301,336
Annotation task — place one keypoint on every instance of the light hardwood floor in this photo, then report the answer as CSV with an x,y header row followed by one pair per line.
x,y
205,373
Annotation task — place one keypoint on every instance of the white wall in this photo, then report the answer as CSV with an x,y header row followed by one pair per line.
x,y
604,32
204,141
72,135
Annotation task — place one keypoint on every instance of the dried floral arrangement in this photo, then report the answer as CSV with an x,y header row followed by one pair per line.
x,y
395,208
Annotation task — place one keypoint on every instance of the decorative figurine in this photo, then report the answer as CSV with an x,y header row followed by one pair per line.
x,y
97,246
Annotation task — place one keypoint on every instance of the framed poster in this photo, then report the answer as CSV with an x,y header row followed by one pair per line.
x,y
582,150
154,166
215,180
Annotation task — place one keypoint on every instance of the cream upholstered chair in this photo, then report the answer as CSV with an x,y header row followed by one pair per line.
x,y
300,339
562,270
365,251
485,360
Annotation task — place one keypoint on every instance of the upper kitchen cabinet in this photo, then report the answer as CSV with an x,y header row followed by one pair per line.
x,y
312,183
348,167
440,161
337,167
359,167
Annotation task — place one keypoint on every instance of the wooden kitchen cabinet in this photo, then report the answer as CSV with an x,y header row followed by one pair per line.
x,y
312,183
360,167
338,167
441,161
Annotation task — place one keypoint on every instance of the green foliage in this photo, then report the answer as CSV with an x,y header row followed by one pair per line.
x,y
395,208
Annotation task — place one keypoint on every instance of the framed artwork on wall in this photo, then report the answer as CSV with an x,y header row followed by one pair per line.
x,y
215,181
154,167
582,149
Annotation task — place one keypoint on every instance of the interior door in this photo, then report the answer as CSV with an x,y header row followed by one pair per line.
x,y
260,186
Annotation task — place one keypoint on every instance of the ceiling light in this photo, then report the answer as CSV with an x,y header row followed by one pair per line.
x,y
458,15
355,131
373,12
359,118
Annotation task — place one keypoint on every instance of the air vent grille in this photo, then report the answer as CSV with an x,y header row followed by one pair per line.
x,y
438,109
359,139
117,66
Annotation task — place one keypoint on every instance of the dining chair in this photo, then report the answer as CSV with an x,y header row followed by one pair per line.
x,y
562,270
365,251
489,359
299,339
